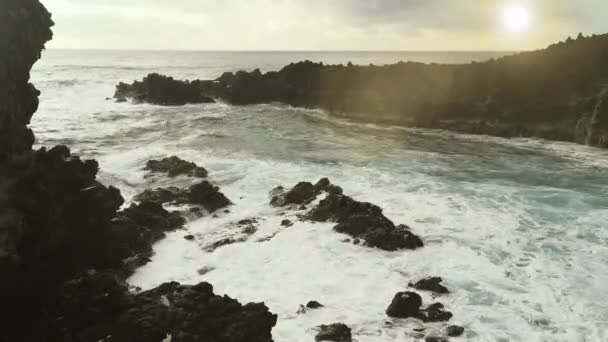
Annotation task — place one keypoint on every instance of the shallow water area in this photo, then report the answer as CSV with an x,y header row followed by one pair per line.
x,y
517,228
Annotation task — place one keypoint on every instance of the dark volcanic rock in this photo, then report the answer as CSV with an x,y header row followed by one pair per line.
x,y
364,221
324,185
187,313
302,193
193,313
338,332
314,305
404,305
162,90
435,338
286,223
174,166
455,331
435,313
409,304
64,247
432,284
204,194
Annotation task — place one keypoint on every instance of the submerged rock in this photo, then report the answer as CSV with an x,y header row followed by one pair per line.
x,y
432,284
364,221
174,166
338,332
435,313
435,338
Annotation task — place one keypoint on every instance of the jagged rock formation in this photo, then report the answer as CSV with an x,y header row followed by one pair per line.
x,y
557,93
364,221
161,90
65,249
409,304
175,166
204,194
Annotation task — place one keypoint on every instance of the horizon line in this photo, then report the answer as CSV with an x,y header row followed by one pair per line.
x,y
276,51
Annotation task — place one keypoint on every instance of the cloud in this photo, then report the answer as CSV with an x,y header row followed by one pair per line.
x,y
313,24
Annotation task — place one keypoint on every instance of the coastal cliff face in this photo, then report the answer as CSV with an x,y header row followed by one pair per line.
x,y
557,93
66,249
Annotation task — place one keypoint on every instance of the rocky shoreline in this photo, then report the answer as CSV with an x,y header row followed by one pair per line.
x,y
558,93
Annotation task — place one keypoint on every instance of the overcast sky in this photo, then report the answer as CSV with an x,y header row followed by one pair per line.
x,y
318,24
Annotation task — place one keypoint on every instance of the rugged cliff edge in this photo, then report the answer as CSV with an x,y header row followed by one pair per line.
x,y
66,249
557,93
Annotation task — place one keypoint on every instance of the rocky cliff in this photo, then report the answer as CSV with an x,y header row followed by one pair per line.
x,y
65,248
556,93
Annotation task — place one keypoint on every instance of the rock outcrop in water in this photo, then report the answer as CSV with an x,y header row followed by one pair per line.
x,y
161,90
204,194
364,221
65,249
409,304
559,93
174,166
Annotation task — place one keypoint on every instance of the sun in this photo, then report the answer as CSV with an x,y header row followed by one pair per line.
x,y
516,18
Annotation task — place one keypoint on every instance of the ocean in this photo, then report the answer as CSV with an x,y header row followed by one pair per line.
x,y
517,228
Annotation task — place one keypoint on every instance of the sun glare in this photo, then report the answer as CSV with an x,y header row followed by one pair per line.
x,y
516,18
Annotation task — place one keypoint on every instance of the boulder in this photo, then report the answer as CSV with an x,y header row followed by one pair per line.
x,y
409,304
174,166
338,332
404,305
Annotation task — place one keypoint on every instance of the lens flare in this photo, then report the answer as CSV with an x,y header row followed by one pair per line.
x,y
516,18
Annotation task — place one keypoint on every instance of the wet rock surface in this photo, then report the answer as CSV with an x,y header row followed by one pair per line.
x,y
338,332
302,193
175,166
409,304
364,221
204,194
454,331
161,90
432,284
186,313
